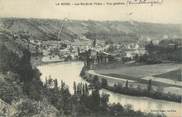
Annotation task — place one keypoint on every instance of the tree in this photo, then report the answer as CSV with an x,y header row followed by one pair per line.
x,y
27,108
74,87
116,109
126,84
95,97
95,83
50,82
149,85
9,91
78,50
104,83
137,58
55,83
104,100
94,42
86,89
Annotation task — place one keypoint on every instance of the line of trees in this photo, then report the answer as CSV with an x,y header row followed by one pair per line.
x,y
147,92
127,89
86,100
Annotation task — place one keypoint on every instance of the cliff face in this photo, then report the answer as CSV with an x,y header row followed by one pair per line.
x,y
16,69
14,58
20,86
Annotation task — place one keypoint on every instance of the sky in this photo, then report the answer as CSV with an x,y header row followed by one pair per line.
x,y
169,11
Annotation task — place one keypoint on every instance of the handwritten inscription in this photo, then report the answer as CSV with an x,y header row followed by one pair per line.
x,y
170,111
111,3
151,2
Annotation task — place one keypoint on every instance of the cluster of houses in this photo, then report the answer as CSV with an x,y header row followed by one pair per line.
x,y
101,52
127,50
119,51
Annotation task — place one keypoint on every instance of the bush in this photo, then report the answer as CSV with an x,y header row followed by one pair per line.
x,y
10,91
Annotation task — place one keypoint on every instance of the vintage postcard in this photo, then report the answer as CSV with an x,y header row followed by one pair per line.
x,y
90,58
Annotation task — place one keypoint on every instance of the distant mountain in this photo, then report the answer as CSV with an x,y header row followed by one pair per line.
x,y
46,29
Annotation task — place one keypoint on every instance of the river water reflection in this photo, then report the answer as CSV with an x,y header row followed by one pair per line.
x,y
69,72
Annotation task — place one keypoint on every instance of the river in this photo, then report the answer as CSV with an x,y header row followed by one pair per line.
x,y
69,72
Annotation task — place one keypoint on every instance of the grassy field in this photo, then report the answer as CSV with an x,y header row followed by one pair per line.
x,y
175,75
140,71
164,76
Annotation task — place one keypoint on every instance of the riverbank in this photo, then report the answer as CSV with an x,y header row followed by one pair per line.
x,y
144,93
130,87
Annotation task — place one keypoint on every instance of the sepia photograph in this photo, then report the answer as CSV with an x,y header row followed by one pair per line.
x,y
90,58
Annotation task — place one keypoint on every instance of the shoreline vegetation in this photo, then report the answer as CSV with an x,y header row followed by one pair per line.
x,y
86,101
125,89
144,93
